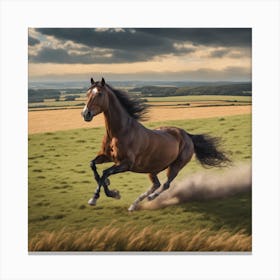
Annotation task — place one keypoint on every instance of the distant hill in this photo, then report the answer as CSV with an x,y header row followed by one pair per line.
x,y
39,95
153,89
240,89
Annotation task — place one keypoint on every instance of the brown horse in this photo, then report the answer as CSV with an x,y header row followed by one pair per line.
x,y
133,147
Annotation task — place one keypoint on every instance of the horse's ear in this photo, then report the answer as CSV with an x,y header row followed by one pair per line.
x,y
92,81
103,82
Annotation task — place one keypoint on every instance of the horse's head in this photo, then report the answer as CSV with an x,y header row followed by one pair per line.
x,y
97,100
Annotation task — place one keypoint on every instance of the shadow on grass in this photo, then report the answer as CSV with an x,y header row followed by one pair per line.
x,y
233,213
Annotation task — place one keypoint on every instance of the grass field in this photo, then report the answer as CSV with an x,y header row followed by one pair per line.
x,y
199,100
60,184
190,98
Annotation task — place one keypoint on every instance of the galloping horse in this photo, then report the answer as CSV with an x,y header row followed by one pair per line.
x,y
133,147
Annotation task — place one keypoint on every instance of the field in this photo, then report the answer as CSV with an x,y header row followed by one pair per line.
x,y
60,184
65,115
193,101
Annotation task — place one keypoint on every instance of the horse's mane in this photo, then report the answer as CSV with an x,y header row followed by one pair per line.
x,y
135,107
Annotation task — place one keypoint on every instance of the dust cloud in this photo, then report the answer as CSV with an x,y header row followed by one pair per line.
x,y
204,186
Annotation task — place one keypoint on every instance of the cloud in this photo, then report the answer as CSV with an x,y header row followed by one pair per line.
x,y
219,53
110,38
230,37
145,38
95,55
33,41
125,45
229,52
141,44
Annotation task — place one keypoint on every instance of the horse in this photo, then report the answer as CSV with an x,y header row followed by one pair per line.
x,y
133,147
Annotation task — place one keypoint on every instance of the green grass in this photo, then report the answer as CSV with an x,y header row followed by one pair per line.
x,y
60,184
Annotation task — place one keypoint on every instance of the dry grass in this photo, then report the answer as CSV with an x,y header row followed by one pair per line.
x,y
55,120
129,238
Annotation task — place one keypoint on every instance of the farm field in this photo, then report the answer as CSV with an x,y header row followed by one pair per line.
x,y
56,120
60,184
192,101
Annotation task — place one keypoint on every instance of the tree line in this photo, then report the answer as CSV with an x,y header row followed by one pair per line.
x,y
240,89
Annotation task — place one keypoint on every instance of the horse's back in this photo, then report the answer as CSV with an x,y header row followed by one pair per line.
x,y
186,146
178,133
155,150
151,151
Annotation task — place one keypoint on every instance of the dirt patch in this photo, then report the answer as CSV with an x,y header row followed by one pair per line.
x,y
54,120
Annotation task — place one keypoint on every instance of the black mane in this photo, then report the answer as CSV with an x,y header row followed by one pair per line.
x,y
134,106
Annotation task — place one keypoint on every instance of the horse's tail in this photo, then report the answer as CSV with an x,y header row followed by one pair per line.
x,y
208,152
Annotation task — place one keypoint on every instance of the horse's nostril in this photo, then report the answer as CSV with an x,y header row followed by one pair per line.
x,y
88,114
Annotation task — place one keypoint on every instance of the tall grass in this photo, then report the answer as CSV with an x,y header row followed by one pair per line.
x,y
127,238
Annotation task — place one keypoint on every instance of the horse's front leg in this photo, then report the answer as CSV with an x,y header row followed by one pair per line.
x,y
122,167
98,160
101,158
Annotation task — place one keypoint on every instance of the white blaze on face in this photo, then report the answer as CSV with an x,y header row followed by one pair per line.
x,y
85,110
94,90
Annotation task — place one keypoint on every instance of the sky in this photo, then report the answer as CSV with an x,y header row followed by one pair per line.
x,y
161,54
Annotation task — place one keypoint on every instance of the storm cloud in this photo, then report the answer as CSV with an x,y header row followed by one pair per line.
x,y
133,44
32,41
227,37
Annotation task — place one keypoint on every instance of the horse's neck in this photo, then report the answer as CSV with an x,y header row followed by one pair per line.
x,y
117,119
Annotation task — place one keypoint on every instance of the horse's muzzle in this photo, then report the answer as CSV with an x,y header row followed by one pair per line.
x,y
88,115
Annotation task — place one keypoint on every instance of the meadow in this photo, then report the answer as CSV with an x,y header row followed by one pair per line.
x,y
192,100
60,183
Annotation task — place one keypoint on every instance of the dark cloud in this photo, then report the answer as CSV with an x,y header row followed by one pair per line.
x,y
126,41
219,53
49,55
138,44
33,41
145,38
230,37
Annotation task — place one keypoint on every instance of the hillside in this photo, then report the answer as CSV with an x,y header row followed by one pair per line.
x,y
240,89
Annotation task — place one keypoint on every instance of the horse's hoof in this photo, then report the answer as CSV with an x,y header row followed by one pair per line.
x,y
131,208
116,194
152,196
92,201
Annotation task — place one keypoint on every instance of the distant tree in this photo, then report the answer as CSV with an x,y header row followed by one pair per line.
x,y
38,95
71,97
242,89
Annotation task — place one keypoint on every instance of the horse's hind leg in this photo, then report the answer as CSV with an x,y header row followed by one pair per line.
x,y
156,184
172,172
184,157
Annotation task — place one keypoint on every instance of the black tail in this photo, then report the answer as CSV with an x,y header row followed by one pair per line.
x,y
207,151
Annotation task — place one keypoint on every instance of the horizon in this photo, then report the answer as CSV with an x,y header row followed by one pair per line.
x,y
126,83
